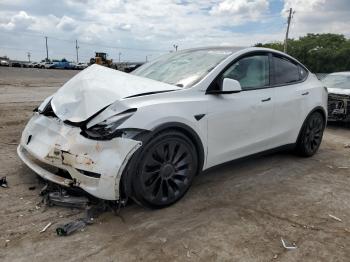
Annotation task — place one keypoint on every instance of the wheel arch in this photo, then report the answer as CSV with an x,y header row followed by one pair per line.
x,y
125,187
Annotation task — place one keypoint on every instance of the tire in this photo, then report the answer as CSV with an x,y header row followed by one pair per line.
x,y
163,170
311,135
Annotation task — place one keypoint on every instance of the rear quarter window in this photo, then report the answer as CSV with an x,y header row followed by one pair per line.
x,y
287,71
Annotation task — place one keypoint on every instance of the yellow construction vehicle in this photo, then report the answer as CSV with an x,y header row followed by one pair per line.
x,y
101,59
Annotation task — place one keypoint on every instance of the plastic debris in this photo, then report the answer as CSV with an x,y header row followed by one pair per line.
x,y
71,227
3,182
46,227
335,218
286,246
61,198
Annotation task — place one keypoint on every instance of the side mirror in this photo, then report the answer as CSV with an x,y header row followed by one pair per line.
x,y
230,86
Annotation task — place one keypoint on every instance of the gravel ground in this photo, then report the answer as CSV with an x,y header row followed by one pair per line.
x,y
237,212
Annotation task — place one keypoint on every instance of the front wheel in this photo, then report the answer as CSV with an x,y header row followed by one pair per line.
x,y
311,135
166,167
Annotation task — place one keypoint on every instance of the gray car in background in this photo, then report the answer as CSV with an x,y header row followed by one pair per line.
x,y
338,86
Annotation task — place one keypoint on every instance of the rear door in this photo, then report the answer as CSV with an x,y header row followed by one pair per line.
x,y
239,124
291,96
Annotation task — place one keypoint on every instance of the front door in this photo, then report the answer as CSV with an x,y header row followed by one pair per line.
x,y
239,124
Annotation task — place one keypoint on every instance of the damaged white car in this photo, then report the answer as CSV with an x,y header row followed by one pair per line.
x,y
338,85
146,135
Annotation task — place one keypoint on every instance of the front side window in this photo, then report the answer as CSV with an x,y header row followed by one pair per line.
x,y
251,72
286,72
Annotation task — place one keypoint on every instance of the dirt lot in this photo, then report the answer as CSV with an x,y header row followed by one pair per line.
x,y
237,212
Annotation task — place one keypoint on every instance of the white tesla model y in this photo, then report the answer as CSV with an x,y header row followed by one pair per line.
x,y
145,135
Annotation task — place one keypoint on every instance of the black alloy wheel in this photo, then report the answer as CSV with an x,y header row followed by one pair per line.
x,y
311,136
166,170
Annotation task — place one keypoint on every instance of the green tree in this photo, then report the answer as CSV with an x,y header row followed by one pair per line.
x,y
320,53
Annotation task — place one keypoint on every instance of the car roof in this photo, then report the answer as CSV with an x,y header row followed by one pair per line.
x,y
345,73
232,49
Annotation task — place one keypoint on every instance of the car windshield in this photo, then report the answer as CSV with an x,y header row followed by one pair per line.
x,y
337,81
184,68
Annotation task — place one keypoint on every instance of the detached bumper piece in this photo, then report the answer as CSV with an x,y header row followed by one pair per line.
x,y
338,107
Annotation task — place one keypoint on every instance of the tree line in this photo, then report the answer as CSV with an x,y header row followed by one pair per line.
x,y
320,53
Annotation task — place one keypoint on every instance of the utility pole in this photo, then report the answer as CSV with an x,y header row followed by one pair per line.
x,y
47,50
28,54
77,47
287,32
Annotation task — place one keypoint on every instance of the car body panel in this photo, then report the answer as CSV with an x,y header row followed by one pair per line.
x,y
76,100
50,141
250,124
230,126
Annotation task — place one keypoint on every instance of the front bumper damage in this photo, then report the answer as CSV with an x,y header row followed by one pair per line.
x,y
48,145
338,107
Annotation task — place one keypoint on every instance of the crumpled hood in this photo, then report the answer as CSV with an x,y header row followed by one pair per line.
x,y
338,91
97,87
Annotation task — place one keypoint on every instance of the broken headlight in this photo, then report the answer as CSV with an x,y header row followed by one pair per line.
x,y
107,129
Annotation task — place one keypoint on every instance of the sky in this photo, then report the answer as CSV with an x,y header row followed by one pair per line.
x,y
136,30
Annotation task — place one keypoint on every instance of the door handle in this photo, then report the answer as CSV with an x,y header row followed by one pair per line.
x,y
305,94
265,100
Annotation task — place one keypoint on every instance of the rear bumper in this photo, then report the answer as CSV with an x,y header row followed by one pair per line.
x,y
48,144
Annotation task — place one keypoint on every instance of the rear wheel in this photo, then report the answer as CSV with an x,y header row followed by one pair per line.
x,y
311,135
165,170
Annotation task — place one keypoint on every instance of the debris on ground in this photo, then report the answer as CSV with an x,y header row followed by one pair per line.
x,y
275,256
67,197
335,218
32,188
46,227
62,198
343,167
3,182
287,246
347,146
71,227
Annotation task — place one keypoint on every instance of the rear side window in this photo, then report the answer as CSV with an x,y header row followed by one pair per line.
x,y
286,72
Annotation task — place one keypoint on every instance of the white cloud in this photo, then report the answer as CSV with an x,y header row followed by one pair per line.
x,y
66,23
252,9
318,16
20,21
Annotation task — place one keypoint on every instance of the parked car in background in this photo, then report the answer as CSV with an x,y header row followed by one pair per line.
x,y
16,64
48,65
63,64
4,62
338,86
81,66
33,64
146,134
